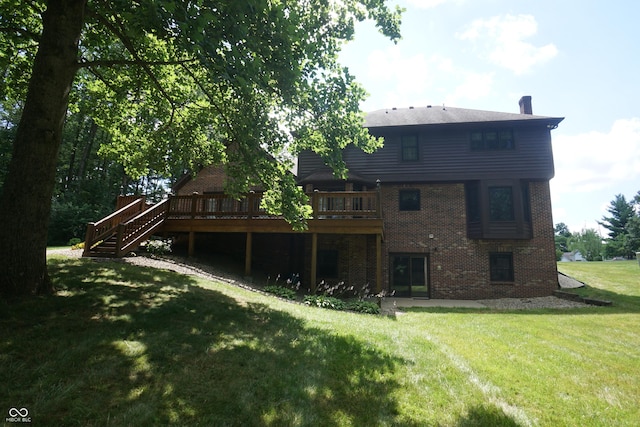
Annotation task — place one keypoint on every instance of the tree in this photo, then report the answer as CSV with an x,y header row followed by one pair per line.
x,y
619,242
589,243
176,84
562,236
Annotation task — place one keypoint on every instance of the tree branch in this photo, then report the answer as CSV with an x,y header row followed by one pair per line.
x,y
146,66
114,62
211,100
17,30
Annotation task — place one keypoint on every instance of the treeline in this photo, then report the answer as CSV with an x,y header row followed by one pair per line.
x,y
87,181
622,239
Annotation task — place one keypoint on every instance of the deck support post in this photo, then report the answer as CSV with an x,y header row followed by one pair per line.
x,y
247,255
192,243
314,260
378,263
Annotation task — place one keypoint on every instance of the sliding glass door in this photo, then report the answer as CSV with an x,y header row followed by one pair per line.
x,y
409,275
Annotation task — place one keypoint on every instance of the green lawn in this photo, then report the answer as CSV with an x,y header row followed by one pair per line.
x,y
122,345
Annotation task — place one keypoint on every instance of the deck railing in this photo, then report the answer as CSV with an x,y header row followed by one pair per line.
x,y
325,204
345,204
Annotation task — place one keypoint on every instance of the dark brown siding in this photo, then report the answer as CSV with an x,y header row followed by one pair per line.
x,y
445,155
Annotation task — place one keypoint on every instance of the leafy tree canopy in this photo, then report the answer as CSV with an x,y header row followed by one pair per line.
x,y
589,243
188,83
562,229
175,84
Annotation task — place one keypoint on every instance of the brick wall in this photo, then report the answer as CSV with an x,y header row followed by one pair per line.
x,y
459,267
209,179
356,260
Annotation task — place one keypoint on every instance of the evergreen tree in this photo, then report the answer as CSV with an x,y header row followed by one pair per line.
x,y
622,212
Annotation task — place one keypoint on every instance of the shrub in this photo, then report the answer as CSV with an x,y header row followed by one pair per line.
x,y
363,307
281,291
158,247
74,241
324,301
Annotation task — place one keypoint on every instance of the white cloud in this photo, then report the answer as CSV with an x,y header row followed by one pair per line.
x,y
404,78
416,80
595,160
472,86
501,40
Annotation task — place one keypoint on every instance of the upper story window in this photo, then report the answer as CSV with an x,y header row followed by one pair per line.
x,y
492,140
409,148
409,200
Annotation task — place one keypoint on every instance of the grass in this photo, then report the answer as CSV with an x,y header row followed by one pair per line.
x,y
120,345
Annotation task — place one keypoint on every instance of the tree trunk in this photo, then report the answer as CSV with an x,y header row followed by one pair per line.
x,y
71,174
25,203
88,151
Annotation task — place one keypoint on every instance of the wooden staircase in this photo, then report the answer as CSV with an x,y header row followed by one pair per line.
x,y
122,232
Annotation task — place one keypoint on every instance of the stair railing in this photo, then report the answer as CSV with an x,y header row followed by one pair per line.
x,y
139,228
107,226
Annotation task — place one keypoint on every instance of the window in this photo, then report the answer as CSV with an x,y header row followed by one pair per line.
x,y
409,148
501,266
492,140
499,209
327,264
501,204
409,200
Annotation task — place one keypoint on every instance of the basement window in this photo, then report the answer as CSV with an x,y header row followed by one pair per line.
x,y
501,266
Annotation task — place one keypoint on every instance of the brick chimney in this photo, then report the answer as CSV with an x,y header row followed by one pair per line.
x,y
525,105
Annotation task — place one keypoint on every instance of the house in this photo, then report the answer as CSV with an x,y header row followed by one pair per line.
x,y
572,256
455,205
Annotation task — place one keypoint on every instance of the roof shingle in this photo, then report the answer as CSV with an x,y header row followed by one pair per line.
x,y
438,115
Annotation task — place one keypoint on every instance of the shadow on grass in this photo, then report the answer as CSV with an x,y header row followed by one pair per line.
x,y
122,345
621,303
481,416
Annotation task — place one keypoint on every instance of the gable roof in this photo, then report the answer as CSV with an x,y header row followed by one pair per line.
x,y
440,115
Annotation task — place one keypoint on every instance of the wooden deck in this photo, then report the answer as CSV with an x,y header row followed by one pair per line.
x,y
344,212
352,212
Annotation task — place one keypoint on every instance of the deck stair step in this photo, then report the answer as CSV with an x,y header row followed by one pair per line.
x,y
132,224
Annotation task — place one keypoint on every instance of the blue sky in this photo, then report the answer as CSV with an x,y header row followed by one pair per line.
x,y
577,59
